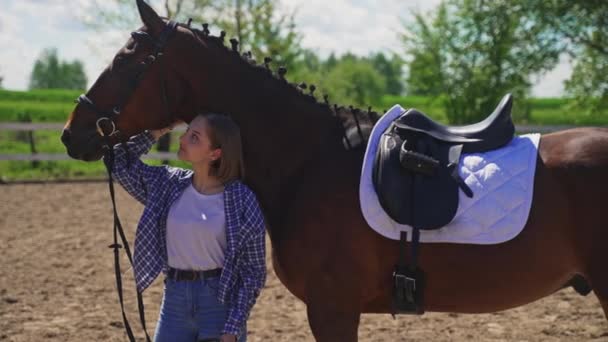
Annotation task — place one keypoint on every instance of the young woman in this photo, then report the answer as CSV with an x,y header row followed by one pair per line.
x,y
202,227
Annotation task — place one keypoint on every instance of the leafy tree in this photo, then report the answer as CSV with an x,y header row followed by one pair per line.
x,y
351,81
390,69
331,61
50,72
589,81
265,36
582,26
472,52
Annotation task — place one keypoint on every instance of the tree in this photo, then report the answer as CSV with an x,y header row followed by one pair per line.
x,y
471,52
350,80
589,81
582,26
390,69
50,72
276,38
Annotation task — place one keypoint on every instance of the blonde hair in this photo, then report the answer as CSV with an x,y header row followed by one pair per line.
x,y
225,134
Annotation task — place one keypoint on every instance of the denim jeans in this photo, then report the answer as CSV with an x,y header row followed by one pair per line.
x,y
190,311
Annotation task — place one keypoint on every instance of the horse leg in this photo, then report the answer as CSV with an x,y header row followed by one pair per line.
x,y
602,296
600,288
604,303
598,279
329,325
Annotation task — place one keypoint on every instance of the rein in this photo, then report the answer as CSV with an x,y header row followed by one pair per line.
x,y
108,161
109,164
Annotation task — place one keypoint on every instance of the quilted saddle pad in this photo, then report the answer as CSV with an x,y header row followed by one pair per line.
x,y
502,182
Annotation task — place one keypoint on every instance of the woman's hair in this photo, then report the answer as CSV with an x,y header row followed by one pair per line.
x,y
225,134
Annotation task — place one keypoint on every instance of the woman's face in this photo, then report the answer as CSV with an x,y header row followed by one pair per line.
x,y
195,145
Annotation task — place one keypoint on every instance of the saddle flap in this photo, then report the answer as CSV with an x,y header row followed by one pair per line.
x,y
412,196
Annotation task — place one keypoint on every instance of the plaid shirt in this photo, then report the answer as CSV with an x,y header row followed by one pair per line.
x,y
157,187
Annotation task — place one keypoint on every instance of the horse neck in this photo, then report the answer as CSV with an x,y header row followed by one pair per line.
x,y
282,130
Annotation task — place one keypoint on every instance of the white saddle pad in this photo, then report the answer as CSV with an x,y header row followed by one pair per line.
x,y
502,182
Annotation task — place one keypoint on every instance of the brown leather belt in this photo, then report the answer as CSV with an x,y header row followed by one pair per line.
x,y
188,275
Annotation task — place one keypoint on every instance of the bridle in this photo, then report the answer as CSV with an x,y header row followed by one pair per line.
x,y
111,117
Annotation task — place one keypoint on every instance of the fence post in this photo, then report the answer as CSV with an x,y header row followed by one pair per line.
x,y
25,117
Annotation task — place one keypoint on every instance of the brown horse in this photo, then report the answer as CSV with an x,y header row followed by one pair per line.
x,y
307,182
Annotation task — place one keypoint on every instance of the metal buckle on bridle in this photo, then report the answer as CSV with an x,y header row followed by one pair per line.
x,y
100,130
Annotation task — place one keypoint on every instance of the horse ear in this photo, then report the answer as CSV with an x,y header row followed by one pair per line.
x,y
149,17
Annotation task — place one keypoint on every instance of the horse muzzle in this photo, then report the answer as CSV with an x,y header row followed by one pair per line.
x,y
89,147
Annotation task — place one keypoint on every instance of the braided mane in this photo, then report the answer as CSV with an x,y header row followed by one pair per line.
x,y
356,126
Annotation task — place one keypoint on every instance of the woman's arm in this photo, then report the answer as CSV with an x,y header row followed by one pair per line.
x,y
128,169
252,271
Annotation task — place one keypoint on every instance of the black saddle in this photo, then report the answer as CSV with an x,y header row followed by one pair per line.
x,y
415,172
493,132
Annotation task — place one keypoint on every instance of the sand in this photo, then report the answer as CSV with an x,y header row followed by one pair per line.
x,y
57,284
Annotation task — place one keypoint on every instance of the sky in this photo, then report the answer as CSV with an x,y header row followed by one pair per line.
x,y
359,26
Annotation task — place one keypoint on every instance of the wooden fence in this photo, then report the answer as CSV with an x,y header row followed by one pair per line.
x,y
35,156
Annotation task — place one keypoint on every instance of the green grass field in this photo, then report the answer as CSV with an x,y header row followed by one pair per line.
x,y
55,105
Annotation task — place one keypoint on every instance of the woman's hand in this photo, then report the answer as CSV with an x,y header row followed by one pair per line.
x,y
228,338
157,133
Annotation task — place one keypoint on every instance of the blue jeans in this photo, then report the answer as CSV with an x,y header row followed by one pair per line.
x,y
190,312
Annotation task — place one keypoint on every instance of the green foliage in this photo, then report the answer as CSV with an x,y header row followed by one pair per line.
x,y
53,106
582,26
354,82
472,52
40,95
49,142
42,105
50,73
543,111
589,81
262,29
350,79
390,69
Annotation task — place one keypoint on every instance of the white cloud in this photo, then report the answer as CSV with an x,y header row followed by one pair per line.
x,y
15,51
358,26
28,27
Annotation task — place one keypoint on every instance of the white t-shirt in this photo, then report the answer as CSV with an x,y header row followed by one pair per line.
x,y
196,231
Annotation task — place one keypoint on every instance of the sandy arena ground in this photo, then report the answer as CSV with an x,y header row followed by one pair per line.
x,y
57,284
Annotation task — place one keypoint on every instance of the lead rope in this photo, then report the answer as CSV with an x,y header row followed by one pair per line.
x,y
118,230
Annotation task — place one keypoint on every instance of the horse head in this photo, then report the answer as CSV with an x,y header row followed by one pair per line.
x,y
144,87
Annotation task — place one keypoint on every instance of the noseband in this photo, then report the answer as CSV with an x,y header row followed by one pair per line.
x,y
111,116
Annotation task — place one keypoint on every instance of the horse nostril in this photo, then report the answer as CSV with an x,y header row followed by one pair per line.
x,y
65,137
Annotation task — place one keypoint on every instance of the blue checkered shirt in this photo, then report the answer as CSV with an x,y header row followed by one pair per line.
x,y
157,187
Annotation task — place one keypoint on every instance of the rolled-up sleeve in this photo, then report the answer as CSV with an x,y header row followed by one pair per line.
x,y
128,170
